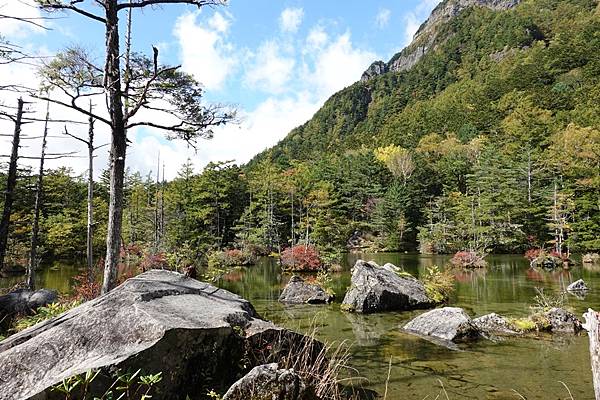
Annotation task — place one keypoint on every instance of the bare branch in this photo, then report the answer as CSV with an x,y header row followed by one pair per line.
x,y
145,3
50,5
74,106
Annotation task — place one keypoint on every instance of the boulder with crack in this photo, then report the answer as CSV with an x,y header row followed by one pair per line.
x,y
198,335
374,289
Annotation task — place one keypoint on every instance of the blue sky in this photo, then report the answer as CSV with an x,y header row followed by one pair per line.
x,y
277,61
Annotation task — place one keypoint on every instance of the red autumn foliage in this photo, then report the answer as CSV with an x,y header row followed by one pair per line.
x,y
532,254
88,284
154,261
301,258
468,259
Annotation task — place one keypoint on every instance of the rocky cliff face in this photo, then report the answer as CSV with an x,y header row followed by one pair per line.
x,y
426,36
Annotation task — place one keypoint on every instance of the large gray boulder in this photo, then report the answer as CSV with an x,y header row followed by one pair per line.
x,y
267,382
198,335
494,324
297,291
450,324
563,321
375,289
24,302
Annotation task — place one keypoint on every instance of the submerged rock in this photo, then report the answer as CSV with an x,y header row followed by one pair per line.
x,y
451,324
563,321
24,302
375,289
494,324
198,335
298,291
577,286
267,382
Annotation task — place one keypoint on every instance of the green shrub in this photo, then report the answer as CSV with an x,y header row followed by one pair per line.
x,y
439,285
44,313
126,386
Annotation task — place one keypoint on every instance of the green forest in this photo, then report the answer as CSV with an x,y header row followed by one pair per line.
x,y
427,206
491,143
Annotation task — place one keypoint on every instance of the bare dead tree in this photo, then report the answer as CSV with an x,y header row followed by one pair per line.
x,y
89,143
11,182
35,229
149,83
592,326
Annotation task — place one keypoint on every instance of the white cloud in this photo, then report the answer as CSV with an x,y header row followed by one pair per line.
x,y
57,143
270,71
317,37
204,51
298,75
382,18
336,65
290,19
25,9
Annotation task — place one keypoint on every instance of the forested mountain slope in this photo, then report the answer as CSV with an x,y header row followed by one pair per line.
x,y
491,138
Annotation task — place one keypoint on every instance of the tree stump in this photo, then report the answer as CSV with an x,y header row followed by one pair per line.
x,y
592,326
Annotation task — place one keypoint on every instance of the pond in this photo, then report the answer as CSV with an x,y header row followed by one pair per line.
x,y
533,368
530,367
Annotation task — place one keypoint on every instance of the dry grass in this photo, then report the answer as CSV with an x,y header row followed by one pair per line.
x,y
322,366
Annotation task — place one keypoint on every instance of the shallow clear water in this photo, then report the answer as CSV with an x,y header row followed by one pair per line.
x,y
486,370
533,367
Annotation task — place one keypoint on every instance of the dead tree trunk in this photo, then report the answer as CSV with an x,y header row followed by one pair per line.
x,y
11,182
90,201
118,148
592,325
35,230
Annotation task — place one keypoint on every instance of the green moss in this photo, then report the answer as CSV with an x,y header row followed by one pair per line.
x,y
535,322
522,324
347,308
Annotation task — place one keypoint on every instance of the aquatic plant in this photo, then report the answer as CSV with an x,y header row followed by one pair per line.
x,y
323,279
544,302
439,284
324,367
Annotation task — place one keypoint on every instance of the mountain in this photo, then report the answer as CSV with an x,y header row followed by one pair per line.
x,y
495,107
483,48
425,37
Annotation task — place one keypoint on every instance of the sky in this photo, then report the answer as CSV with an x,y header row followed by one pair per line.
x,y
276,62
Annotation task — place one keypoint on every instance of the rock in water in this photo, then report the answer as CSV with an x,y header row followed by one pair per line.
x,y
562,321
577,286
494,324
297,291
267,382
198,335
376,289
23,301
448,324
